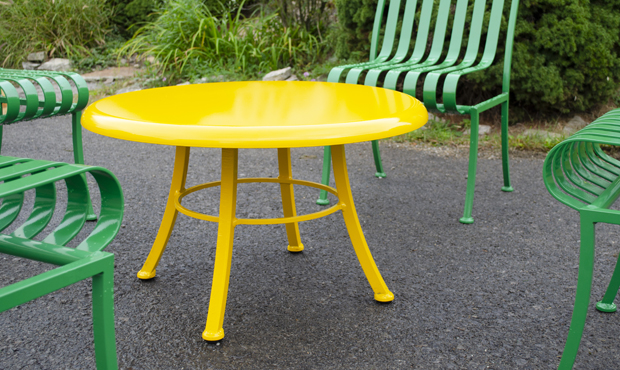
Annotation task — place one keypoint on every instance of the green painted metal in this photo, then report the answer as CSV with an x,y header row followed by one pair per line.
x,y
76,264
72,99
578,173
435,58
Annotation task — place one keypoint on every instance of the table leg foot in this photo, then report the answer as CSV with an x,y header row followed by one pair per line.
x,y
213,337
382,293
145,275
295,248
384,297
288,199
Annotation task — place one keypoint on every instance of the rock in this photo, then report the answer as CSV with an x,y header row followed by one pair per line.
x,y
279,75
38,57
56,64
30,66
203,80
116,73
574,125
150,59
541,134
134,87
482,130
184,83
292,78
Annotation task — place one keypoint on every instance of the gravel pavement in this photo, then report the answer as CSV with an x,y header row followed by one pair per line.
x,y
496,294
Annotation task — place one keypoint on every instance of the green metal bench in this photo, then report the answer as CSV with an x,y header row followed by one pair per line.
x,y
433,57
578,173
19,175
27,95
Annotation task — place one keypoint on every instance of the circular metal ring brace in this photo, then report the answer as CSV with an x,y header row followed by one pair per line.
x,y
261,221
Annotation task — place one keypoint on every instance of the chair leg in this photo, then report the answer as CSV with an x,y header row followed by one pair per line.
x,y
471,173
382,293
505,168
78,154
607,303
288,200
1,127
327,158
103,318
179,174
223,254
582,297
377,156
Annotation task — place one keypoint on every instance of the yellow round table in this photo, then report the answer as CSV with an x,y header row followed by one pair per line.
x,y
234,115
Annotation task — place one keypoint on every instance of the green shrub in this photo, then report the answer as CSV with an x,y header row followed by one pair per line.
x,y
310,14
565,57
188,34
61,28
355,20
129,15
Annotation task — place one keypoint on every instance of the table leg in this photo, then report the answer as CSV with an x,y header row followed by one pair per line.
x,y
223,253
179,175
288,200
382,293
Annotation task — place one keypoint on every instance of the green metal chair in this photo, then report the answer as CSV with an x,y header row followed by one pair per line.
x,y
27,95
19,175
446,59
582,176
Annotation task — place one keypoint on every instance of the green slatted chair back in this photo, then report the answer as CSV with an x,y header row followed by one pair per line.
x,y
431,48
19,175
578,173
27,95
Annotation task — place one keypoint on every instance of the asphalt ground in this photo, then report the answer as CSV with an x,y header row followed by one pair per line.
x,y
495,294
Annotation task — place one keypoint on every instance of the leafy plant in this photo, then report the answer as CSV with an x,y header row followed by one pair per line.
x,y
188,34
58,27
310,14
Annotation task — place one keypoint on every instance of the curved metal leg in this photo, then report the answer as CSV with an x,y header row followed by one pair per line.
x,y
507,187
382,293
327,158
582,297
288,200
179,175
223,254
471,173
78,154
377,156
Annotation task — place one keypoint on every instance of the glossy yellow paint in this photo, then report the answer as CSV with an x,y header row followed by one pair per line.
x,y
238,115
257,114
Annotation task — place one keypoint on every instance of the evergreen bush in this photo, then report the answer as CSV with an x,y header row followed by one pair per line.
x,y
129,15
565,57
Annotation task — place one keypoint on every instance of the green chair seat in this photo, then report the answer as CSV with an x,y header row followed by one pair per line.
x,y
86,260
578,173
438,54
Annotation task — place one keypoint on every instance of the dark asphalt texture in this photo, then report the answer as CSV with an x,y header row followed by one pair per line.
x,y
497,294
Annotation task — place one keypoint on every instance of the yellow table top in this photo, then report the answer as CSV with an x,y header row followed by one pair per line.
x,y
256,114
